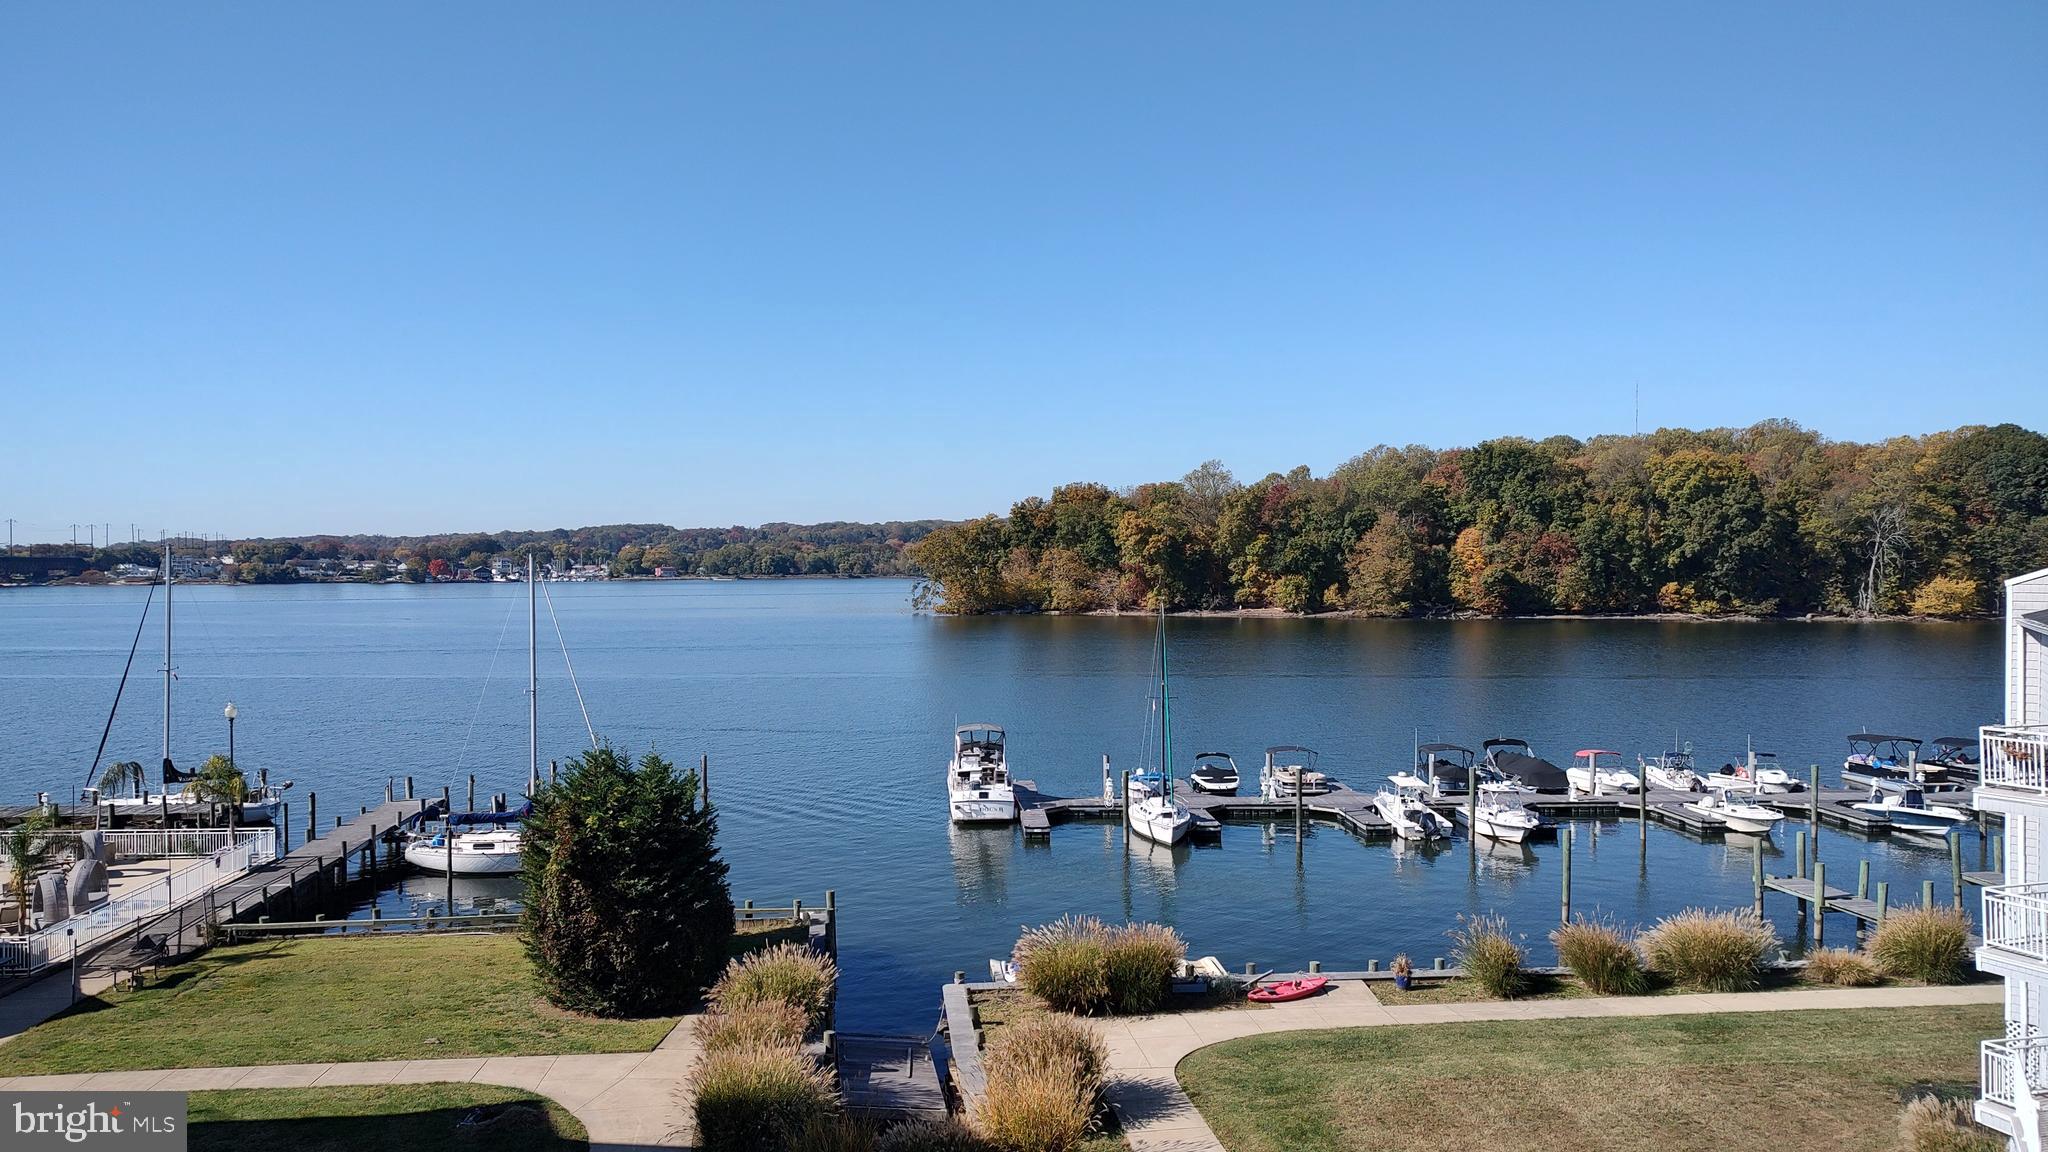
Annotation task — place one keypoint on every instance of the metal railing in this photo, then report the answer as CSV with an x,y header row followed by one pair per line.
x,y
56,943
2014,757
128,845
2013,1068
2016,919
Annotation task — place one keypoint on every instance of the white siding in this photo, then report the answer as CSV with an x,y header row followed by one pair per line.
x,y
2022,841
2026,655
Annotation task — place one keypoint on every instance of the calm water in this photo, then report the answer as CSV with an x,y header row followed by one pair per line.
x,y
827,707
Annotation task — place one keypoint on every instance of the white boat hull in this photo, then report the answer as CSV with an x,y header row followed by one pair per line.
x,y
1507,833
432,859
991,810
1160,821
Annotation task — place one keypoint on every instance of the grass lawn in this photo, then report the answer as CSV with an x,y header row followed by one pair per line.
x,y
318,999
419,1116
1767,1081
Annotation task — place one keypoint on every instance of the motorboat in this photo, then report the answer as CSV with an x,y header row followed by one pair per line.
x,y
1952,756
1909,810
1152,810
1597,771
1508,758
485,853
1500,819
1404,807
1214,773
978,787
1873,757
1735,813
1671,770
1445,768
1953,793
1290,770
1756,772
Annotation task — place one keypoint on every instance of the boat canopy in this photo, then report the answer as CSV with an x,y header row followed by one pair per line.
x,y
1504,742
995,730
1277,749
1427,748
466,819
1213,756
1534,771
1955,742
1596,752
1876,738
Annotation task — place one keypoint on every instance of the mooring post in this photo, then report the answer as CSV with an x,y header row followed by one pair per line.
x,y
747,911
1315,966
1820,900
408,788
1813,800
1756,875
1927,893
703,775
470,804
552,765
1124,791
1565,912
389,785
284,812
312,816
1643,816
1955,867
831,923
1884,898
1472,810
1297,816
1863,879
1799,853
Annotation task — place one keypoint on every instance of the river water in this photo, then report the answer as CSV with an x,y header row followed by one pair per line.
x,y
827,707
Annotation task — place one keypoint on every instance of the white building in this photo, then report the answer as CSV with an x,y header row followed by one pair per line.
x,y
2015,785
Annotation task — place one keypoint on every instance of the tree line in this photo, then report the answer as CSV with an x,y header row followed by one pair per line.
x,y
1773,519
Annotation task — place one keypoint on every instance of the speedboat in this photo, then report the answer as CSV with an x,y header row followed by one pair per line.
x,y
1874,757
1403,807
1214,773
1672,770
1756,772
1910,811
1597,770
1505,820
1445,768
1290,770
1508,758
1736,814
978,784
1952,756
486,853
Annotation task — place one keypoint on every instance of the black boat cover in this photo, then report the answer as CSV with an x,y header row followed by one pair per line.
x,y
1534,771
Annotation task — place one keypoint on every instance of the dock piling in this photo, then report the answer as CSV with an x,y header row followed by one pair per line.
x,y
1565,911
1863,879
1297,819
1813,806
312,815
1927,893
1820,901
1799,854
1884,898
1955,867
1643,818
1756,875
1315,966
703,775
408,788
469,805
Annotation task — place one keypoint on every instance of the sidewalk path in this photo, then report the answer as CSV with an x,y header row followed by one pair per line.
x,y
626,1100
1157,1116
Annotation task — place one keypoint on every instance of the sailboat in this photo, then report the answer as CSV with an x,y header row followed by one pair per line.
x,y
265,801
1153,811
495,851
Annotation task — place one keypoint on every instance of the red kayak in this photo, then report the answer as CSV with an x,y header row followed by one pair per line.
x,y
1286,990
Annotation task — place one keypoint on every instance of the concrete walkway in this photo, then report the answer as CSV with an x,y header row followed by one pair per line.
x,y
1157,1116
625,1100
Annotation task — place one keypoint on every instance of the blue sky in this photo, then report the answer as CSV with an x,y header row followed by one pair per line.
x,y
291,268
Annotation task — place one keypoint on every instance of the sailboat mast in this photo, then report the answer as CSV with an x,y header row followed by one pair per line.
x,y
167,655
532,682
1165,709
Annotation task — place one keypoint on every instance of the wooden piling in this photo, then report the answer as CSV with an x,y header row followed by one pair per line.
x,y
1927,893
469,805
408,788
284,813
703,775
1820,901
552,767
1955,867
1643,817
831,922
1884,898
1863,879
1799,854
1565,910
1756,875
312,816
1298,802
1813,806
1124,791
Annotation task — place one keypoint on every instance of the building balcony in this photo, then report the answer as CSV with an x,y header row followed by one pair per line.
x,y
2014,758
2013,1071
2016,920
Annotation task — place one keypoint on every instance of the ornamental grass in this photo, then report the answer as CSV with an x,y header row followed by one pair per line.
x,y
1490,957
785,973
1927,944
758,1098
1710,951
1602,955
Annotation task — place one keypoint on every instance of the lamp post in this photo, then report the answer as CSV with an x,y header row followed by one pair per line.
x,y
230,713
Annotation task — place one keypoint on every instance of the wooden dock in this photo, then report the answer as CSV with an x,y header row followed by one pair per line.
x,y
889,1077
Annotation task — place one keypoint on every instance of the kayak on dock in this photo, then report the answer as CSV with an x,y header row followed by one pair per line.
x,y
1285,990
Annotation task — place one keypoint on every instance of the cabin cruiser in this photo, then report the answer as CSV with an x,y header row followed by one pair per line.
x,y
1214,773
487,853
1290,770
1756,772
1874,757
1672,770
978,777
1508,758
1910,811
1597,770
1735,813
1404,807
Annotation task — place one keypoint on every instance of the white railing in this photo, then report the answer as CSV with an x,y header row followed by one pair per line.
x,y
2016,919
2012,1069
55,943
2014,757
129,845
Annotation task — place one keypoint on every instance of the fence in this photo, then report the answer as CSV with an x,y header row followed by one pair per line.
x,y
130,845
57,942
2014,757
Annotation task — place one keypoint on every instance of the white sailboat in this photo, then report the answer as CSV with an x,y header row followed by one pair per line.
x,y
495,851
978,788
1154,812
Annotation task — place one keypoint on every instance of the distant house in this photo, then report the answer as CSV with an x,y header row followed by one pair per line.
x,y
664,572
589,572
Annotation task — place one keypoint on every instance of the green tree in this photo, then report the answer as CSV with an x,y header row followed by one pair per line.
x,y
1384,575
627,909
29,847
218,781
123,778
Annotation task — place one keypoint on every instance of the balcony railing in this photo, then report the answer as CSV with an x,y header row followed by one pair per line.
x,y
2016,919
2015,757
2014,1069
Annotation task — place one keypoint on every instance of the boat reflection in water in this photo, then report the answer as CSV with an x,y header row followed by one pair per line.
x,y
419,895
